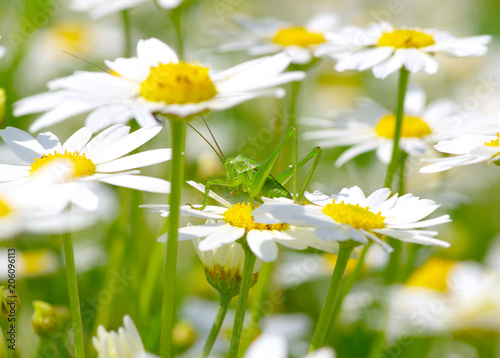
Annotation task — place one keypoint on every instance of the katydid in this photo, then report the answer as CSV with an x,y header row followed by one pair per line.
x,y
254,179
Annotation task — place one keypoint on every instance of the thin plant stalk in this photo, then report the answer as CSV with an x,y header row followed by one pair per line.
x,y
127,30
404,75
348,283
118,249
242,300
178,133
217,325
176,15
257,308
294,104
345,251
74,301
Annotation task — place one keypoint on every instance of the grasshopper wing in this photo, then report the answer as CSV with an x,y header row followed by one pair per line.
x,y
273,189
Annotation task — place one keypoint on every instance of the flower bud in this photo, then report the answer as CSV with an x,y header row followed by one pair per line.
x,y
48,319
224,267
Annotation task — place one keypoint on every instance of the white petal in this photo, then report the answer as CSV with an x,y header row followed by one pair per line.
x,y
384,152
22,144
129,68
126,144
10,172
375,199
318,198
49,142
105,116
169,4
299,55
339,233
68,109
385,69
78,140
262,245
412,59
355,151
267,346
152,52
104,139
134,161
227,235
139,182
414,101
323,22
83,197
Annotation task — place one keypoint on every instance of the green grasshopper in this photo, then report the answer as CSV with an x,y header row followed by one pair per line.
x,y
254,179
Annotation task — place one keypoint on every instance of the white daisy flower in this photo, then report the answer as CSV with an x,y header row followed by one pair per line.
x,y
66,173
228,223
19,214
447,296
126,343
267,36
372,128
100,8
155,82
52,50
468,149
272,345
350,215
387,49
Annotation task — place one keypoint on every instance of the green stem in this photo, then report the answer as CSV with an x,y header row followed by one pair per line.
x,y
242,300
219,319
393,272
393,165
257,310
128,33
345,251
294,104
150,281
402,172
178,133
348,283
176,17
136,245
74,301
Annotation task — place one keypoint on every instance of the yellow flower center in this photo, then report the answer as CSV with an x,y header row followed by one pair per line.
x,y
4,209
179,83
240,215
298,36
493,142
354,215
433,274
413,127
406,39
83,165
72,37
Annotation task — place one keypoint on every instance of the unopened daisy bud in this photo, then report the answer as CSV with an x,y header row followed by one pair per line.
x,y
10,302
183,335
48,319
224,267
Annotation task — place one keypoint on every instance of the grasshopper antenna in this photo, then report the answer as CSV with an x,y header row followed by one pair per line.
x,y
215,140
211,146
84,60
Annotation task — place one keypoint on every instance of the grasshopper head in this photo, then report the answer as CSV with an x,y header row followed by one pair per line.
x,y
229,165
